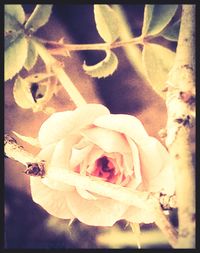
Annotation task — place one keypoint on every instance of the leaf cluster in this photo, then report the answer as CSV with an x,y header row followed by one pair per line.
x,y
36,90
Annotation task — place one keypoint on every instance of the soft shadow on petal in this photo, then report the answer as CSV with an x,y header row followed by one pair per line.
x,y
138,215
62,152
164,182
136,160
109,141
54,202
127,124
60,124
94,154
56,185
78,155
156,167
85,194
46,153
116,159
100,212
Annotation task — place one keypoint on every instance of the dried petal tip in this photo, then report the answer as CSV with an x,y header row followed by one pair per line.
x,y
35,169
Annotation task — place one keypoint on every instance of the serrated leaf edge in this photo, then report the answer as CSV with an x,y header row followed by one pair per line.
x,y
91,70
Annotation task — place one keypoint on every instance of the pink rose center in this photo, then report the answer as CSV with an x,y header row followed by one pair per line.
x,y
104,169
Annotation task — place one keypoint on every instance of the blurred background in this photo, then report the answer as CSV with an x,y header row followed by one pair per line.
x,y
27,225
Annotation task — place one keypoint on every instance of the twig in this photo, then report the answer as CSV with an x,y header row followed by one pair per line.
x,y
132,50
165,225
16,152
180,105
95,46
64,79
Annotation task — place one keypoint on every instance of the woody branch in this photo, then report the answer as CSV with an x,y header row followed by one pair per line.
x,y
180,125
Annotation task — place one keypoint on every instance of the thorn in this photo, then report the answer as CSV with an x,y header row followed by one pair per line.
x,y
71,221
136,230
61,40
163,133
165,89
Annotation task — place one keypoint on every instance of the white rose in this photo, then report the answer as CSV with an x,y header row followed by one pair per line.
x,y
113,148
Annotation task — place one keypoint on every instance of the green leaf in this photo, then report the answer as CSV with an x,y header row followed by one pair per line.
x,y
39,17
34,91
11,24
13,19
22,93
31,57
107,22
15,11
172,32
103,68
11,37
156,17
14,56
157,61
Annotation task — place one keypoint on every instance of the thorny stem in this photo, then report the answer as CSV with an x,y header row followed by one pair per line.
x,y
68,85
95,46
146,200
16,152
180,105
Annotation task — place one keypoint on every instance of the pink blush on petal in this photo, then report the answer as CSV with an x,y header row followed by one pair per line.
x,y
103,168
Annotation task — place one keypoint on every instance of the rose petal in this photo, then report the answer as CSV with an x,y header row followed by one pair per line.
x,y
152,153
94,154
116,160
62,152
85,194
100,212
78,155
109,141
136,161
56,185
156,167
54,202
46,153
127,124
60,124
82,143
138,215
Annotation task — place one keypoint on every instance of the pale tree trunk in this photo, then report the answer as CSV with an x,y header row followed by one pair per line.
x,y
180,126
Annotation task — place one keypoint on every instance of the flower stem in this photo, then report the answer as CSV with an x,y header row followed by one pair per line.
x,y
64,79
132,50
95,46
165,226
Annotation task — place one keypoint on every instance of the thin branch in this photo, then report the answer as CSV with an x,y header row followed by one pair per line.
x,y
165,225
132,50
64,79
16,152
96,46
181,111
